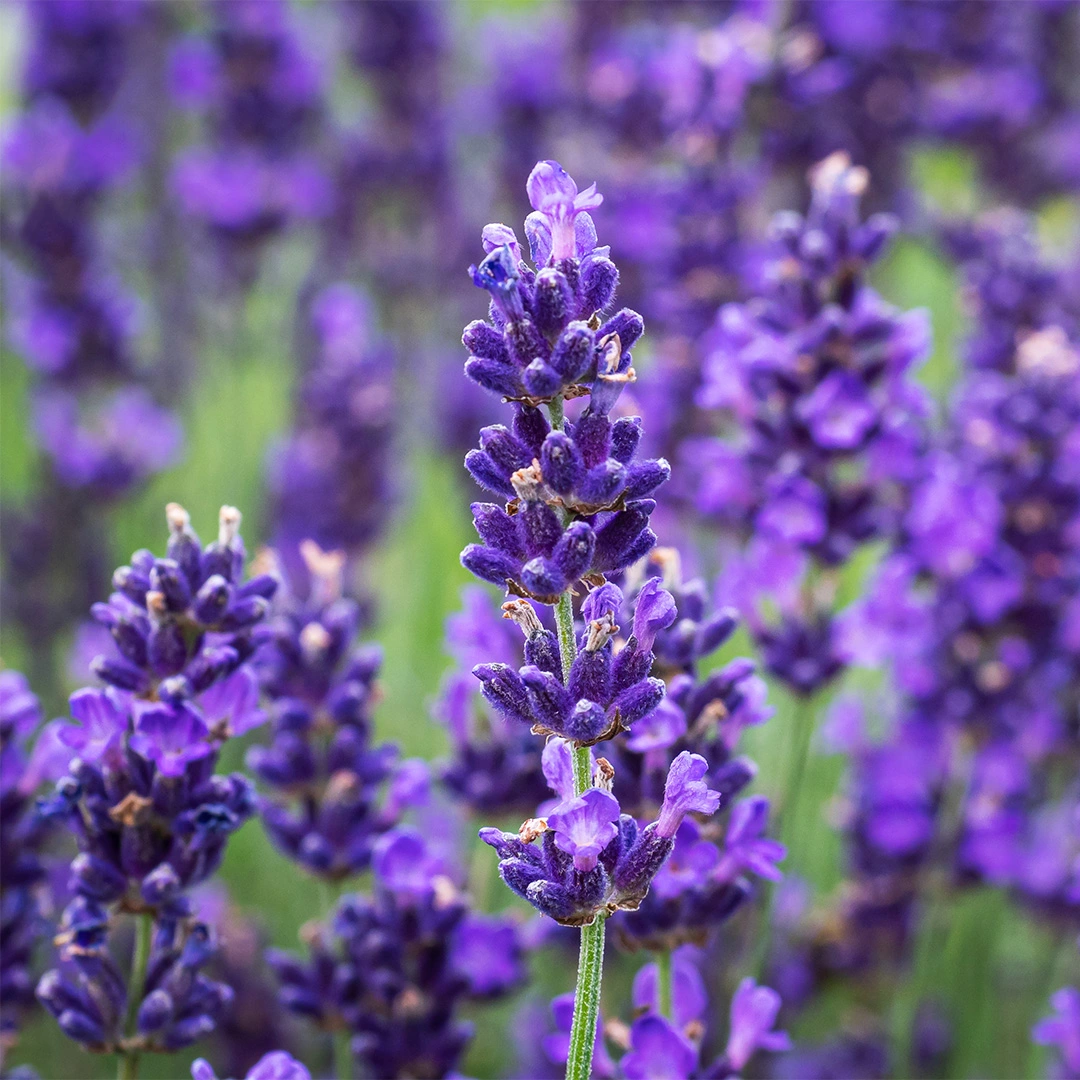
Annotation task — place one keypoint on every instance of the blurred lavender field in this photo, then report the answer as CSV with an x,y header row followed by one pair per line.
x,y
835,563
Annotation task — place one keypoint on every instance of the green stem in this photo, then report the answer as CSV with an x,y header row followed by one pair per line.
x,y
786,817
140,958
663,983
586,1001
591,956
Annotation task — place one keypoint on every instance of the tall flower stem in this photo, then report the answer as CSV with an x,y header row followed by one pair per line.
x,y
140,958
803,725
586,1001
591,956
663,983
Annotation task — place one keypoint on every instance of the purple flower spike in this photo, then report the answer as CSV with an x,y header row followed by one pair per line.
x,y
1062,1029
685,792
753,1012
658,1049
585,826
104,724
655,611
170,736
552,228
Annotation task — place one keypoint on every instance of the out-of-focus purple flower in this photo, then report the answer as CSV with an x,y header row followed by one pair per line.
x,y
753,1014
486,951
745,845
277,1065
689,999
658,1048
126,440
1062,1028
104,719
557,1044
414,938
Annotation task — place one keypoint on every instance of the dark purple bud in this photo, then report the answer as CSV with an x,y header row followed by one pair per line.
x,y
129,633
498,274
487,474
542,651
645,478
155,1012
212,599
185,1032
530,428
264,585
626,433
616,538
548,700
553,301
639,700
542,577
540,380
526,343
161,886
498,529
631,666
573,553
504,688
81,1027
132,584
561,463
628,324
119,673
484,341
183,546
590,675
872,236
734,775
167,652
168,579
603,484
211,664
599,280
495,376
640,865
713,633
587,722
489,564
244,613
519,875
504,449
539,528
96,878
573,353
592,434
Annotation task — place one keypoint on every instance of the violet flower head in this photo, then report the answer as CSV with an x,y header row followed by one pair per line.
x,y
413,940
591,858
495,765
183,622
328,799
605,693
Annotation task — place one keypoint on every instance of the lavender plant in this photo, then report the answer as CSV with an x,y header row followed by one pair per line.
x,y
141,795
578,512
